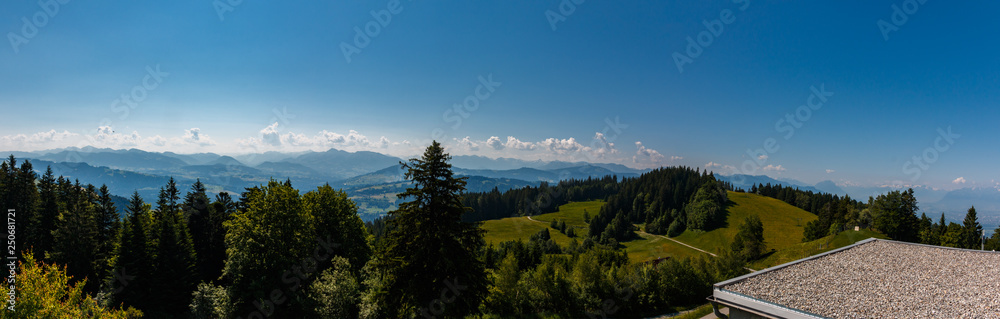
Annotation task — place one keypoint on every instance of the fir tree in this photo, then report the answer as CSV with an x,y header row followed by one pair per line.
x,y
134,269
74,239
971,230
107,227
45,221
176,274
198,211
428,249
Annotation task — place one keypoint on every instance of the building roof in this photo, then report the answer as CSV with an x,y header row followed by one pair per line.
x,y
874,278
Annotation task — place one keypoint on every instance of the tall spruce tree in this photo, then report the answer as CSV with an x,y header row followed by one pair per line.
x,y
107,227
428,250
48,212
26,200
18,192
74,239
198,211
971,230
134,268
176,272
222,209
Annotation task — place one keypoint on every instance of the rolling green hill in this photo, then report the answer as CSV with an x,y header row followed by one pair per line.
x,y
573,213
650,247
646,248
519,228
514,228
783,223
783,228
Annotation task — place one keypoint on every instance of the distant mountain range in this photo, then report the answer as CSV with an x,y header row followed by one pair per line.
x,y
479,162
375,177
370,178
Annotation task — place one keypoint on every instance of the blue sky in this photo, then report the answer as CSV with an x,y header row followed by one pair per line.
x,y
273,76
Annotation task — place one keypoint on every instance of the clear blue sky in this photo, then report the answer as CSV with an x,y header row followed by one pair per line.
x,y
606,60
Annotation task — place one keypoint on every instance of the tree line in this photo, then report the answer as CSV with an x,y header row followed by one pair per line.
x,y
893,214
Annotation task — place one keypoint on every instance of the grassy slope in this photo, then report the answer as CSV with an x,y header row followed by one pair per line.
x,y
572,213
783,223
651,247
783,226
514,228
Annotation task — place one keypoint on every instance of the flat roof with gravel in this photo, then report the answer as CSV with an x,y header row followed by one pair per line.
x,y
874,278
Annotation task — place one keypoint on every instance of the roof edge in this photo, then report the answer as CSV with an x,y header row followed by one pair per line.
x,y
759,307
741,278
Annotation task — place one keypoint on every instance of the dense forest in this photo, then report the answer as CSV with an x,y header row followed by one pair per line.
x,y
276,251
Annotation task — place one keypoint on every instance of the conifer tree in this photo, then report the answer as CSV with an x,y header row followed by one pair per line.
x,y
45,221
428,249
18,192
176,272
74,241
26,200
108,227
134,270
971,230
198,211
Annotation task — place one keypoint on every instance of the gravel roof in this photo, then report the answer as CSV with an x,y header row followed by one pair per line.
x,y
884,279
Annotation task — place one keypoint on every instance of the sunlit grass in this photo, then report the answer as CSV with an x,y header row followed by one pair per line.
x,y
783,223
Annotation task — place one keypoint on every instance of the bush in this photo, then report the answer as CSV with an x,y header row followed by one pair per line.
x,y
44,291
210,301
676,228
749,241
336,293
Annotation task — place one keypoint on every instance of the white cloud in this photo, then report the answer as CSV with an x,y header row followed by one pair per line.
x,y
601,147
830,171
647,156
516,144
960,180
467,143
108,137
762,157
676,158
270,136
39,141
713,166
495,143
773,168
194,136
51,136
158,141
562,146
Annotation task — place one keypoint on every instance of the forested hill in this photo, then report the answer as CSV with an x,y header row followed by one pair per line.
x,y
659,197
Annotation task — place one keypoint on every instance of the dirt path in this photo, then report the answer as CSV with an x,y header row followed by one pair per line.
x,y
689,246
679,242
